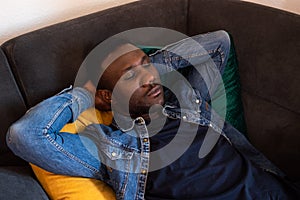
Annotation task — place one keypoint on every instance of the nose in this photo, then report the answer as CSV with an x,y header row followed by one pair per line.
x,y
147,76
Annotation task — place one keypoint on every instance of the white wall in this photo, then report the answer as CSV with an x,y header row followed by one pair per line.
x,y
21,16
289,5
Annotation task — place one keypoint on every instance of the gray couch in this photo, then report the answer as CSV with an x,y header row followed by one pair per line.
x,y
37,65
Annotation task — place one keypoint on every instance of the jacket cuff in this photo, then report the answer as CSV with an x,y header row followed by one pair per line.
x,y
82,100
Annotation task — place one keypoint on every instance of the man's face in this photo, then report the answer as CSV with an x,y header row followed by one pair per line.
x,y
135,80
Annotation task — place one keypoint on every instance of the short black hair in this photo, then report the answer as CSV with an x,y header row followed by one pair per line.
x,y
91,68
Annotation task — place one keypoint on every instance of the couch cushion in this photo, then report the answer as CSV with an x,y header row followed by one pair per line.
x,y
11,108
18,183
47,60
276,135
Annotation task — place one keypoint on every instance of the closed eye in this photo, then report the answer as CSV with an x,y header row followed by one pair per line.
x,y
130,74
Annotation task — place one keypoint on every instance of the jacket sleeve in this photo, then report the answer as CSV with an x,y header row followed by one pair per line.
x,y
194,51
36,137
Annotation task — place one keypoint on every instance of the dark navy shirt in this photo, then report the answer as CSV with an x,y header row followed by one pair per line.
x,y
222,174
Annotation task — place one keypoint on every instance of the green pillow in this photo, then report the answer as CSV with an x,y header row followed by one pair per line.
x,y
232,94
234,106
149,49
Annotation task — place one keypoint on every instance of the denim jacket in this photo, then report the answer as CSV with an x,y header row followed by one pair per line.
x,y
119,154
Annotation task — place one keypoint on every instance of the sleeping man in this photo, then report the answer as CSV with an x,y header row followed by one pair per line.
x,y
165,140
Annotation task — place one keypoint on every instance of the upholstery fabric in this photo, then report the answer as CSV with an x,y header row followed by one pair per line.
x,y
278,137
18,183
12,107
48,53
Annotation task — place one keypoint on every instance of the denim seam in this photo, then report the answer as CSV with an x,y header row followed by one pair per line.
x,y
222,55
59,147
144,164
176,58
69,155
123,189
58,112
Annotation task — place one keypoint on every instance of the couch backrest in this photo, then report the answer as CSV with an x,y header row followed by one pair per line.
x,y
267,42
53,55
11,108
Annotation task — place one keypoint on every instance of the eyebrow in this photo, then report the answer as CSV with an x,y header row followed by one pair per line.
x,y
132,66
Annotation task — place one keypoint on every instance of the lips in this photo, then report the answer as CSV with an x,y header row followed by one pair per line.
x,y
155,91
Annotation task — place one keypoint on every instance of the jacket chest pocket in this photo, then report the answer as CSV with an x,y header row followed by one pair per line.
x,y
116,153
117,162
115,157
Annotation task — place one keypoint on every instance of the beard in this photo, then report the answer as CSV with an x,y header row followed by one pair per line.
x,y
142,107
138,108
141,102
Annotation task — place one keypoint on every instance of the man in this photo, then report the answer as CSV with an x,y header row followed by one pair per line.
x,y
151,150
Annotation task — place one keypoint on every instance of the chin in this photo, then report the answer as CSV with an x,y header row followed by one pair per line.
x,y
161,101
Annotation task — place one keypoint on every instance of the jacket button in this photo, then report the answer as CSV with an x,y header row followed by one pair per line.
x,y
109,169
145,139
114,154
144,171
184,117
140,121
197,101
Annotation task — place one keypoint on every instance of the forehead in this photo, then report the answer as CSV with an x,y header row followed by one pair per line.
x,y
123,57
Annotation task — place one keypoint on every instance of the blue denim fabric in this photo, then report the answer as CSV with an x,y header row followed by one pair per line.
x,y
120,156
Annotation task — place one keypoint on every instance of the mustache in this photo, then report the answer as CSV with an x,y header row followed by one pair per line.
x,y
150,85
152,88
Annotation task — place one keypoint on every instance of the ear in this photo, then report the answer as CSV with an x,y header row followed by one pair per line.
x,y
103,100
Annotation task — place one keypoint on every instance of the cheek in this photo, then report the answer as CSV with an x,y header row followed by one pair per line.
x,y
124,91
137,96
155,72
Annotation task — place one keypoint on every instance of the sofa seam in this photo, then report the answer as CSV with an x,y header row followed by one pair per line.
x,y
16,77
243,90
